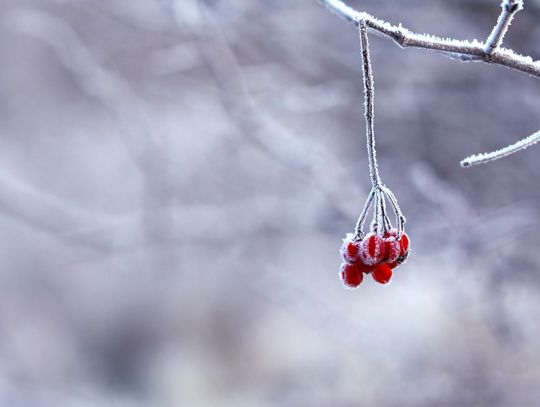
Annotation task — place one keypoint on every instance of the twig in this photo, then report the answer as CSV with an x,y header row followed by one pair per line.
x,y
503,152
489,52
464,50
509,10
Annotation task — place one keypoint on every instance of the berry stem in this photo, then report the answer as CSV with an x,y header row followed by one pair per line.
x,y
381,218
358,234
369,93
400,218
387,223
379,193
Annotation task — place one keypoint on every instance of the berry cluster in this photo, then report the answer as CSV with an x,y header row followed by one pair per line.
x,y
373,254
384,247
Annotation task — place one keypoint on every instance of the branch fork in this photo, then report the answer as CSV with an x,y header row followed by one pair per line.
x,y
490,51
381,223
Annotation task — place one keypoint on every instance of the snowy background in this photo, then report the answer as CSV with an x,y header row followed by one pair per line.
x,y
175,181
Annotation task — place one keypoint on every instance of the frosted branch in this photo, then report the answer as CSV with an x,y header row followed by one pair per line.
x,y
462,49
503,152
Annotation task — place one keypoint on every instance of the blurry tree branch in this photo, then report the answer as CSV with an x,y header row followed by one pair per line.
x,y
237,100
115,94
254,124
104,85
464,50
103,232
46,212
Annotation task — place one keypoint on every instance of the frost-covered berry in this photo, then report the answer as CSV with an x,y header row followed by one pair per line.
x,y
350,249
365,267
404,246
404,243
372,249
392,249
382,274
351,275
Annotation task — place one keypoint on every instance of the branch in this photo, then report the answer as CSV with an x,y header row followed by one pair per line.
x,y
463,50
489,52
503,152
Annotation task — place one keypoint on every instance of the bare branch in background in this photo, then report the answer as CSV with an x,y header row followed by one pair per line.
x,y
115,94
464,50
107,87
254,123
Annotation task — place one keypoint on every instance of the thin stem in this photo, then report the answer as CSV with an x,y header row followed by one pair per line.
x,y
509,10
358,233
462,50
369,93
400,218
384,215
376,212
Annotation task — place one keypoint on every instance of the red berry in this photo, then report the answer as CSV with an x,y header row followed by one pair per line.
x,y
382,274
350,249
392,249
372,249
366,268
404,243
351,275
394,264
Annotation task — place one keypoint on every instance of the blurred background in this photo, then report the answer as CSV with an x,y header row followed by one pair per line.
x,y
176,177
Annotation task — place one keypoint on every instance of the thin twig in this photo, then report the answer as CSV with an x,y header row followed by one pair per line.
x,y
503,152
509,10
463,50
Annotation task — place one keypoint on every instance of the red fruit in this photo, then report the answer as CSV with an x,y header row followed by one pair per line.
x,y
404,243
366,268
392,249
394,264
351,275
372,249
382,274
350,249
